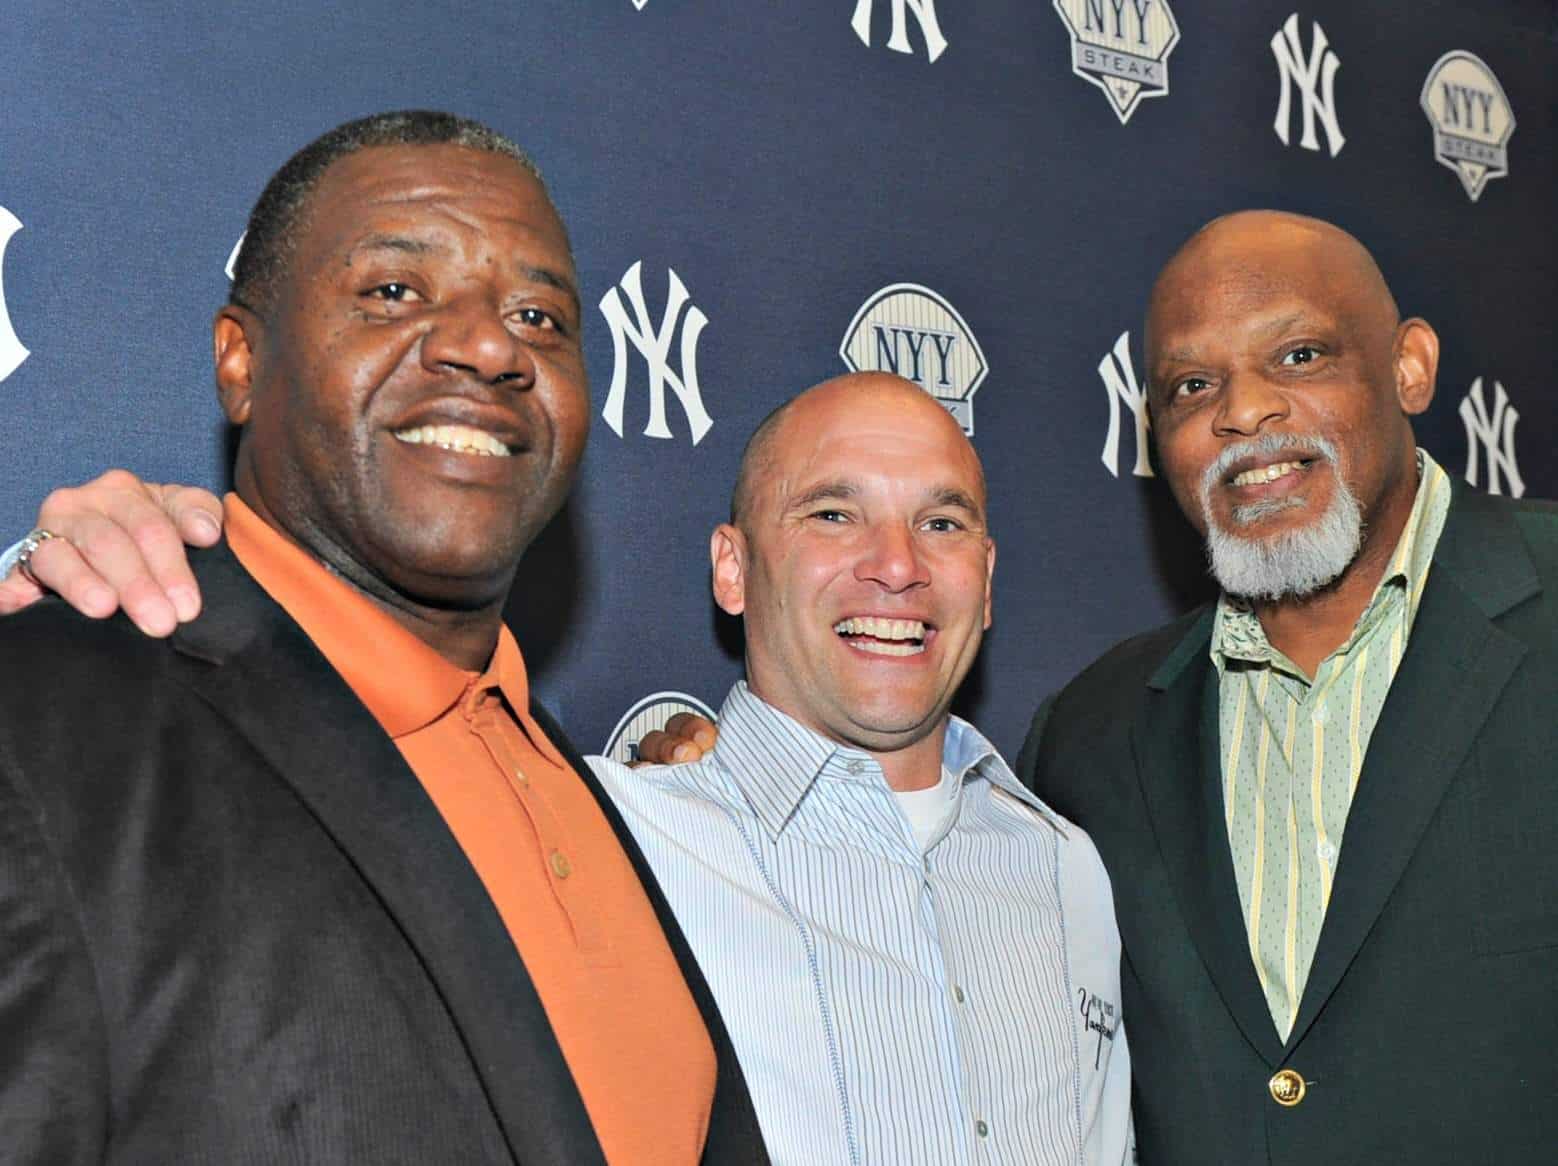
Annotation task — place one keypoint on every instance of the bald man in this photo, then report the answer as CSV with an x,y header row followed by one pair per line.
x,y
915,957
1328,801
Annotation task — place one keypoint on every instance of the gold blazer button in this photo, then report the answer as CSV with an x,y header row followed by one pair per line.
x,y
1287,1088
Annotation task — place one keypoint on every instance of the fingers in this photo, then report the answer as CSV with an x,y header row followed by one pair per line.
x,y
59,567
693,729
686,737
195,512
120,550
656,748
17,592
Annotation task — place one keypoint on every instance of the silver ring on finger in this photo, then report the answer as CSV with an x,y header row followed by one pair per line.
x,y
27,549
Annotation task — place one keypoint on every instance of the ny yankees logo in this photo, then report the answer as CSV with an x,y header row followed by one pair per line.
x,y
12,352
924,12
1496,435
232,257
655,346
1315,80
1120,386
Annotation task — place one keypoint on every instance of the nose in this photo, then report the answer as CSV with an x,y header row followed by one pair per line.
x,y
469,335
1248,402
891,559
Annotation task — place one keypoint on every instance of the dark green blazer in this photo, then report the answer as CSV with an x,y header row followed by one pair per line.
x,y
1428,1028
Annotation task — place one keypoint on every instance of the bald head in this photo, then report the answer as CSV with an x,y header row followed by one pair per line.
x,y
830,403
1269,251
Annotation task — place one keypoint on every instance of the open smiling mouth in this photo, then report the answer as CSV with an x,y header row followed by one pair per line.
x,y
455,439
1259,475
883,637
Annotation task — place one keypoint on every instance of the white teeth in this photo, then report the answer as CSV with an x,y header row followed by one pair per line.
x,y
458,438
1266,473
881,629
878,648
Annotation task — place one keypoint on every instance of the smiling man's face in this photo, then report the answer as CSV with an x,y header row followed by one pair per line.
x,y
414,402
862,564
1280,386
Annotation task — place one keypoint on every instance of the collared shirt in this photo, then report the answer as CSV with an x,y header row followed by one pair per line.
x,y
892,1004
1293,750
613,992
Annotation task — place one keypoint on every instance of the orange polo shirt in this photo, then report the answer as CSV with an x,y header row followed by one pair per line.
x,y
626,1022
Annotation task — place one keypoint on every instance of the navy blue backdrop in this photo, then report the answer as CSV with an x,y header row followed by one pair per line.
x,y
976,192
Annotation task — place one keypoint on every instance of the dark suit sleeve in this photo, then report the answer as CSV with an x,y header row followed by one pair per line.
x,y
1028,756
53,1063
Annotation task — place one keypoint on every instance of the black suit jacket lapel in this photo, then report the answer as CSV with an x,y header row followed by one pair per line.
x,y
1456,663
280,693
734,1135
1177,758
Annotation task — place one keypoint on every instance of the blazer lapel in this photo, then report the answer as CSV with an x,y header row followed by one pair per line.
x,y
273,685
1456,664
1177,757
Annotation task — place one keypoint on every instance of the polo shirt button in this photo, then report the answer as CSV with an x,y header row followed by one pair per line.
x,y
1287,1088
957,993
561,867
1327,851
981,1129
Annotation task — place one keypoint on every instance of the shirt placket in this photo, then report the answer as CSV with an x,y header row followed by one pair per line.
x,y
570,885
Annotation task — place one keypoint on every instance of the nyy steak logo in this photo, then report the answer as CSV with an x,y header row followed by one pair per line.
x,y
1122,46
912,332
1471,118
12,353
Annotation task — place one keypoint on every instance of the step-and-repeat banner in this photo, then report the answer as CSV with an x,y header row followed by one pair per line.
x,y
972,193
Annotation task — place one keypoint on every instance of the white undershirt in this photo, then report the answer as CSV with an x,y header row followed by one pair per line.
x,y
929,810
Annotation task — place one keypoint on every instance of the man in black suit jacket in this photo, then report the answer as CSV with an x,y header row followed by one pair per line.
x,y
1423,1031
233,925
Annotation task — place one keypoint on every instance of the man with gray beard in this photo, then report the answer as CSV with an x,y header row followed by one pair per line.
x,y
1381,666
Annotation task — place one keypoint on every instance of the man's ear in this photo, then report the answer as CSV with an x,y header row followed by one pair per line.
x,y
1417,365
234,334
989,582
728,557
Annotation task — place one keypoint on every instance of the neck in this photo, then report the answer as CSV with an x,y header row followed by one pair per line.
x,y
1308,629
467,637
916,766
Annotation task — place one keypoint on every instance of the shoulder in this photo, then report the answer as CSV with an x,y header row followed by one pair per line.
x,y
50,645
1110,685
658,793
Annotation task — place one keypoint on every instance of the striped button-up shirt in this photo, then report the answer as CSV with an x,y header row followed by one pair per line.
x,y
1293,750
956,1004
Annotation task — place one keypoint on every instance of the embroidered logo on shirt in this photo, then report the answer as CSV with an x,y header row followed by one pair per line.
x,y
1098,1016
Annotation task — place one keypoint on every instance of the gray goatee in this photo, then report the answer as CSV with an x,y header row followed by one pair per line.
x,y
1294,563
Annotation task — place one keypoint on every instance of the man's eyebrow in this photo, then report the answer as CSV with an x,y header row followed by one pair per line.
x,y
409,245
956,497
552,279
403,244
835,491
